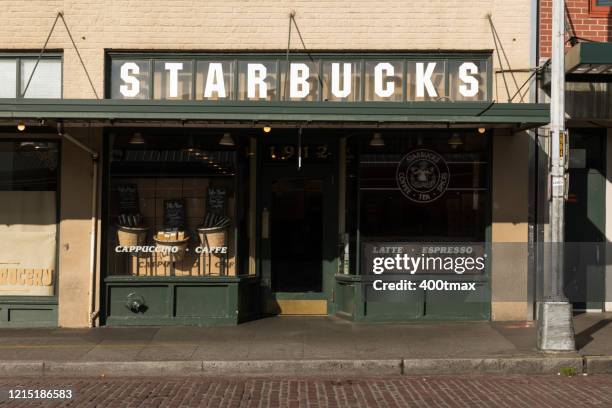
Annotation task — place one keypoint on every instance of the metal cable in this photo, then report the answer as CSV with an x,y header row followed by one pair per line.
x,y
306,49
287,57
79,55
59,15
505,56
40,55
495,40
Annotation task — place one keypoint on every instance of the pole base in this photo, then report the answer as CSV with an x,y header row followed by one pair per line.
x,y
555,327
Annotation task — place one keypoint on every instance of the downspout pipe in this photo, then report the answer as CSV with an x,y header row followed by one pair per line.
x,y
91,312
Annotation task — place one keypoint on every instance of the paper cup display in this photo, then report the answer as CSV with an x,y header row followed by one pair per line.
x,y
171,251
212,237
131,236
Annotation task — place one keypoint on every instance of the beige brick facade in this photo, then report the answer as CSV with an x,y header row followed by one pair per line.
x,y
261,25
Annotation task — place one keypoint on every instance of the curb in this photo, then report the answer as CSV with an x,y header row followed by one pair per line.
x,y
21,368
205,368
121,368
508,365
598,364
304,367
431,366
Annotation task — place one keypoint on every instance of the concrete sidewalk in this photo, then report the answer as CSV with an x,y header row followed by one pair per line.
x,y
302,345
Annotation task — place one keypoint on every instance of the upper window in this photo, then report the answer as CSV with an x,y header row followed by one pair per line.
x,y
17,81
600,7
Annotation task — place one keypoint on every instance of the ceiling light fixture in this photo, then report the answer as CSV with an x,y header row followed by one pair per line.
x,y
377,140
455,141
267,129
137,139
21,126
227,140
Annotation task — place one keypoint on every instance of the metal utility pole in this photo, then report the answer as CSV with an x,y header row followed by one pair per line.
x,y
555,324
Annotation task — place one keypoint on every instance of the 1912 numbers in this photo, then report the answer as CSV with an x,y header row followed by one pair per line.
x,y
287,152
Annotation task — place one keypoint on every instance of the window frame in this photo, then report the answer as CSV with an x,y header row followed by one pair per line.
x,y
58,191
19,56
599,11
320,57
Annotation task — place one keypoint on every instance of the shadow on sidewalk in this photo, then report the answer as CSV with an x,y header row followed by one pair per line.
x,y
586,336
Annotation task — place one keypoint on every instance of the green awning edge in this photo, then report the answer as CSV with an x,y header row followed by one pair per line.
x,y
413,112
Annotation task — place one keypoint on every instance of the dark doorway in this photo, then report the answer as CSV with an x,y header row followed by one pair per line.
x,y
296,224
298,227
585,219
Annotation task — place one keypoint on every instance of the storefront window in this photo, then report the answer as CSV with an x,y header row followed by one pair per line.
x,y
176,204
342,81
440,197
130,79
384,81
468,80
257,80
15,74
409,188
28,218
300,81
46,81
214,80
426,80
172,80
8,78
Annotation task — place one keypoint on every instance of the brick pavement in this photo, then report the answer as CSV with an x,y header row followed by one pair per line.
x,y
440,391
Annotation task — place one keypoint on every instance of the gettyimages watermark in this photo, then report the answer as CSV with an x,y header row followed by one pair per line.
x,y
482,272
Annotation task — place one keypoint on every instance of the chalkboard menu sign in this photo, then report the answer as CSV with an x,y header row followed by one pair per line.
x,y
128,199
216,200
174,214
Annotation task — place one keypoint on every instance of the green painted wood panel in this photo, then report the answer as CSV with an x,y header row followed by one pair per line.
x,y
155,300
200,301
462,305
20,315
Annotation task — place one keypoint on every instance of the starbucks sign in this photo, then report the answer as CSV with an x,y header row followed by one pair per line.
x,y
422,175
363,77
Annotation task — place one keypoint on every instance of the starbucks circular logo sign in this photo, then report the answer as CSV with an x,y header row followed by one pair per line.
x,y
422,175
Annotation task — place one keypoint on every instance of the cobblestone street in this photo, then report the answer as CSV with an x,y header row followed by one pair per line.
x,y
441,391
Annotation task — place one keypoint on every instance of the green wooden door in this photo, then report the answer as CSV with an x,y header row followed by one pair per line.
x,y
298,210
585,219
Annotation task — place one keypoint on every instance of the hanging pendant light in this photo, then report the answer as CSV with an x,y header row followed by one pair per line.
x,y
227,140
377,140
455,141
137,139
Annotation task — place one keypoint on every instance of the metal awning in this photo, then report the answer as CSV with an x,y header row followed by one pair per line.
x,y
109,112
590,62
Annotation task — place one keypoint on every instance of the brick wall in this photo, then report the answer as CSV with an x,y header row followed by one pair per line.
x,y
581,22
260,25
